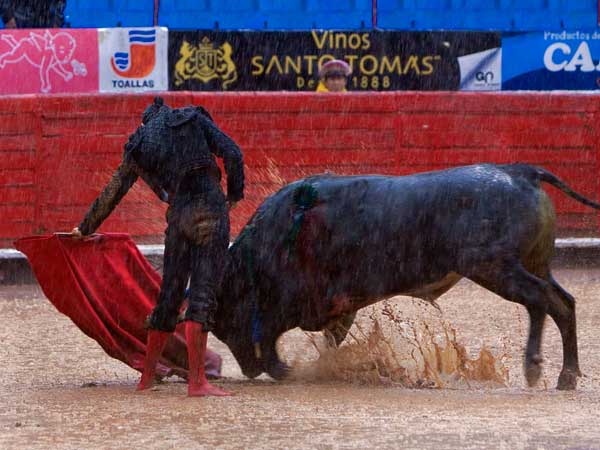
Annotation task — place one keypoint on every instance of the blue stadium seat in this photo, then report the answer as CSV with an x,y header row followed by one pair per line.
x,y
265,14
395,14
109,13
579,6
534,15
480,5
186,14
579,15
136,13
280,5
420,14
339,14
184,6
323,6
437,5
480,15
532,5
239,5
91,13
501,15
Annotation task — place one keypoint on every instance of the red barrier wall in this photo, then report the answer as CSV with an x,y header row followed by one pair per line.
x,y
57,152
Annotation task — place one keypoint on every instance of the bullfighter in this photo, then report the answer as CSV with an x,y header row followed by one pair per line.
x,y
174,151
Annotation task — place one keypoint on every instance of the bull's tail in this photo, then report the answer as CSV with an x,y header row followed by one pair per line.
x,y
552,179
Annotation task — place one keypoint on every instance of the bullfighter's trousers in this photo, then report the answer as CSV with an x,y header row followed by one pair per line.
x,y
196,242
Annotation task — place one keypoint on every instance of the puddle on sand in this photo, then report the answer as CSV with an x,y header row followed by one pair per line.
x,y
385,348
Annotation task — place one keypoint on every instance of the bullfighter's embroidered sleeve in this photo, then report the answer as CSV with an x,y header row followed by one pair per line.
x,y
117,187
224,147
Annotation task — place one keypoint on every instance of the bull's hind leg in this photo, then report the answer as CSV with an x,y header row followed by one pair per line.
x,y
565,320
533,353
562,311
514,283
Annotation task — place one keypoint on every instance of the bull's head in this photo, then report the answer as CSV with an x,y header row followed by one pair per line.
x,y
233,321
238,316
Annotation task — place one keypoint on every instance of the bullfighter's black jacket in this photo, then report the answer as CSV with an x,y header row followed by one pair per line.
x,y
170,145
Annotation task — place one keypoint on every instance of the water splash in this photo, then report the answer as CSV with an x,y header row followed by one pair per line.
x,y
399,351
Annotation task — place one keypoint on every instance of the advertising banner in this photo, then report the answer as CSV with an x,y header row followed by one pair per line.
x,y
133,59
48,61
380,60
564,60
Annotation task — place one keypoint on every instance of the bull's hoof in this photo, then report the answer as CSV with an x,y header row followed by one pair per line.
x,y
567,380
279,371
251,373
533,370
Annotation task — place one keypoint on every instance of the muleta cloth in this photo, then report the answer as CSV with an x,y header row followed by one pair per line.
x,y
335,67
108,288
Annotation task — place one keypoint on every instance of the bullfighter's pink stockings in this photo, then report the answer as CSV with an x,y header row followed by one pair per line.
x,y
154,348
198,386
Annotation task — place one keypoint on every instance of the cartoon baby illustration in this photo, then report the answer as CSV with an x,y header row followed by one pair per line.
x,y
47,52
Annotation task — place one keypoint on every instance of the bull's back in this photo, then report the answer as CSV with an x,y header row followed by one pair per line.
x,y
457,207
399,231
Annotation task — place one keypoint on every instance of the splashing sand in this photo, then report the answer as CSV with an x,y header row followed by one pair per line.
x,y
411,353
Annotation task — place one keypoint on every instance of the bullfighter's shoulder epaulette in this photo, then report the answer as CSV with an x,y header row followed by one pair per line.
x,y
178,117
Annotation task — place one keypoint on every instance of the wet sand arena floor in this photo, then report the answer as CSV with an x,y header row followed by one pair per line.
x,y
58,389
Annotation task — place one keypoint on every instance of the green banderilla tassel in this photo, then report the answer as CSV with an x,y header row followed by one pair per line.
x,y
305,197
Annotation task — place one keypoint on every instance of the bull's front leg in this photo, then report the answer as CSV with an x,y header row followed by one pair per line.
x,y
275,367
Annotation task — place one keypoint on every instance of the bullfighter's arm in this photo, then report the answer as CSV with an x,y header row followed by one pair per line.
x,y
224,147
117,187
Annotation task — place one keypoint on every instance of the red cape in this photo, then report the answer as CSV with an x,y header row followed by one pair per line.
x,y
107,288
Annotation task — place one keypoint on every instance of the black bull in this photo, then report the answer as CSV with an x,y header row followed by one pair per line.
x,y
325,246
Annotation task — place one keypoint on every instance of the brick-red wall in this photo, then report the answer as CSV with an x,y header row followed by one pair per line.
x,y
57,152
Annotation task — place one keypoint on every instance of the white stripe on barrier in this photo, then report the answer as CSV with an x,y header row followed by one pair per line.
x,y
158,249
577,243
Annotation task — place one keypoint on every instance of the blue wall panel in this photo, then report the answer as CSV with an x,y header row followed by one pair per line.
x,y
500,15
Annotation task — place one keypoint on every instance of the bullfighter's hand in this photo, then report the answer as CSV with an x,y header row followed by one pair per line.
x,y
76,233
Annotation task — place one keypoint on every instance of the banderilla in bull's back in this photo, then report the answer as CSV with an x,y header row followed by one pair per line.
x,y
325,246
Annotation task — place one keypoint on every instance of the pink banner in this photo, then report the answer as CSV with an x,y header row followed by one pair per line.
x,y
48,61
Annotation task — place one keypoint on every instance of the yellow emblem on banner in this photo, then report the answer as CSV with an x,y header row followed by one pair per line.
x,y
205,62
